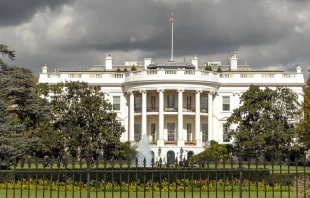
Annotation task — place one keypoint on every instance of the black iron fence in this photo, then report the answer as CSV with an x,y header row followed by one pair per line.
x,y
49,177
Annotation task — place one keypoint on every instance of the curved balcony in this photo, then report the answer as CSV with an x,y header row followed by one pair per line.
x,y
161,75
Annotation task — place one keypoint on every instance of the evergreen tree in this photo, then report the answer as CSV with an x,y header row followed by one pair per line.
x,y
264,122
118,70
21,109
219,69
133,68
125,69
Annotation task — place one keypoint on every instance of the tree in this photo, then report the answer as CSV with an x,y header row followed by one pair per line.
x,y
118,70
208,68
125,69
219,69
215,151
133,68
83,120
21,109
304,123
264,122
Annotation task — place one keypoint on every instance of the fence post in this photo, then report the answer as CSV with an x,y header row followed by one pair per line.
x,y
239,155
88,161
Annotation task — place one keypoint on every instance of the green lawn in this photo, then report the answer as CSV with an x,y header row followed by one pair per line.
x,y
55,194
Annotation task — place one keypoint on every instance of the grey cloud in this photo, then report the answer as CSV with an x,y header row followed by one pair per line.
x,y
15,12
263,32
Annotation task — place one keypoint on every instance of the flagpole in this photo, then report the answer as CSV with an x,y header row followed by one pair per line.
x,y
172,39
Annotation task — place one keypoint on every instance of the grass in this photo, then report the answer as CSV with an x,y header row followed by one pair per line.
x,y
56,194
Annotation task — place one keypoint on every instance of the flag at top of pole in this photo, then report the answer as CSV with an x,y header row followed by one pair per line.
x,y
171,21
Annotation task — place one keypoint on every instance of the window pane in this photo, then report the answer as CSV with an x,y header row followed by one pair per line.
x,y
171,129
204,128
225,133
116,102
226,99
189,132
137,132
226,103
153,131
137,104
204,102
170,101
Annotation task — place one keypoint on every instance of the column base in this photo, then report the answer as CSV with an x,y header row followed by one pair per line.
x,y
180,142
199,143
160,143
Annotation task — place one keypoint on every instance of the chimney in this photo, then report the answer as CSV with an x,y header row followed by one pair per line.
x,y
233,61
44,69
298,69
195,62
108,63
147,62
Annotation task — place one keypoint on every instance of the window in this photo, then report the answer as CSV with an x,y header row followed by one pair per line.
x,y
204,104
171,130
95,76
226,103
75,75
116,103
137,104
225,133
153,100
153,131
189,102
171,101
137,132
204,128
243,75
189,132
225,76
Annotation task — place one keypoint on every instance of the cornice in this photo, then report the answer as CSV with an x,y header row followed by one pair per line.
x,y
263,84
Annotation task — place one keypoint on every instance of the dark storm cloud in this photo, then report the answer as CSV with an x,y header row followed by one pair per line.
x,y
265,33
202,27
15,12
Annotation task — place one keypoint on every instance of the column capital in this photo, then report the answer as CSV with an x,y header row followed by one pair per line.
x,y
198,91
160,90
129,92
211,92
142,91
180,90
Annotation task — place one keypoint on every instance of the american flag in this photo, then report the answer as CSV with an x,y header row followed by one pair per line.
x,y
171,19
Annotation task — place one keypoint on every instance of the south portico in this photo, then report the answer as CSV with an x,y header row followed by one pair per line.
x,y
171,116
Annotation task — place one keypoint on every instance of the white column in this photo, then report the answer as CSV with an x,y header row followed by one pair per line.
x,y
197,120
210,116
131,117
180,118
143,113
160,141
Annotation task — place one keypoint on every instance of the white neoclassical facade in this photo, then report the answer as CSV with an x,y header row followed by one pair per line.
x,y
179,105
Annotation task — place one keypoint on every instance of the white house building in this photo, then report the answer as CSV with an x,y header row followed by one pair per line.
x,y
178,105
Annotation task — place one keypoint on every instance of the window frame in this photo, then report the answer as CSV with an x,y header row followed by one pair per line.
x,y
226,130
225,106
115,107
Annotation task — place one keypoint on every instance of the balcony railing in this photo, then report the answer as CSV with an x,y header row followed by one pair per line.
x,y
170,109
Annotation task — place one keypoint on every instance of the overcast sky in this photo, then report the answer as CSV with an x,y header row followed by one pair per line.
x,y
76,33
